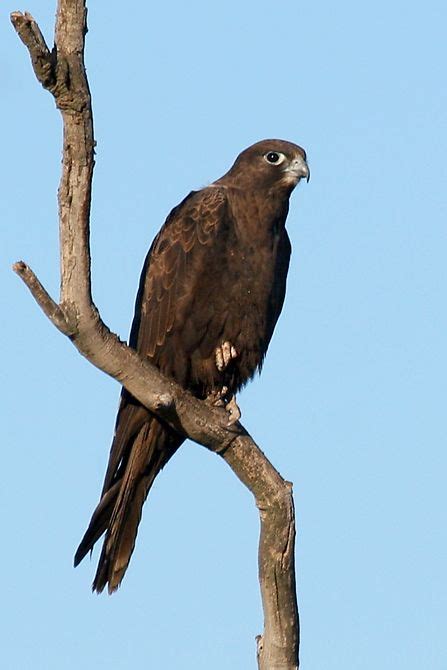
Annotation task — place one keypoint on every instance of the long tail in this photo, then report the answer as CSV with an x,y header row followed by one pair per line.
x,y
136,457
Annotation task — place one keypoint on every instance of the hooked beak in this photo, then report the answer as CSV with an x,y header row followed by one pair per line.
x,y
298,169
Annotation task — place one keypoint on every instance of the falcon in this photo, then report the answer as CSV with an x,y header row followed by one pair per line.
x,y
211,291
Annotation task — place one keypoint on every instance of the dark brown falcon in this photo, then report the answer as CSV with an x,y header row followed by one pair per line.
x,y
211,291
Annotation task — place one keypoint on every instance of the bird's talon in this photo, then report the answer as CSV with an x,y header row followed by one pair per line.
x,y
217,397
233,410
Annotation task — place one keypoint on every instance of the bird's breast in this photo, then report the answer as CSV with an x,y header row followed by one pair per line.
x,y
244,299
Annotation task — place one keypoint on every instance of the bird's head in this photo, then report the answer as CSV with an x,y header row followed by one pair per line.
x,y
269,164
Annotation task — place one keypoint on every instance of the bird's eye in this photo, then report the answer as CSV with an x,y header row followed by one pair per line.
x,y
274,157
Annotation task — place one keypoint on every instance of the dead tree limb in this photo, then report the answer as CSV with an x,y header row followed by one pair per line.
x,y
61,71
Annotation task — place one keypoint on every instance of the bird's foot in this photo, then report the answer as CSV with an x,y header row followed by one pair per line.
x,y
233,410
219,398
224,354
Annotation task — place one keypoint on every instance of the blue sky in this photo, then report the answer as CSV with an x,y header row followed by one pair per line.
x,y
351,402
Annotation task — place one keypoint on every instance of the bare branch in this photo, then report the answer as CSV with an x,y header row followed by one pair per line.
x,y
62,72
43,299
29,32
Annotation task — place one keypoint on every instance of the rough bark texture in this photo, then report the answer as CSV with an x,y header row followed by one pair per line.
x,y
62,72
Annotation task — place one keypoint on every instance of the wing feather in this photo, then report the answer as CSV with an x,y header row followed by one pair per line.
x,y
176,263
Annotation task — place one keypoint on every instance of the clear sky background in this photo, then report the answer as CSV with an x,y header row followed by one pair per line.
x,y
351,405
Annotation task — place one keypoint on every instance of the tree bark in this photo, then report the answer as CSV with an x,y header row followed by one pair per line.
x,y
61,71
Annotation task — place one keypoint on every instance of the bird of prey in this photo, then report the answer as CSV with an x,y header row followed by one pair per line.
x,y
211,291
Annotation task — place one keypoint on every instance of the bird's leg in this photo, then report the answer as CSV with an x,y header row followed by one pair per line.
x,y
224,355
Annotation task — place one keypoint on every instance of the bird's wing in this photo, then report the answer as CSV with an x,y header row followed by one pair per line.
x,y
170,287
174,267
278,293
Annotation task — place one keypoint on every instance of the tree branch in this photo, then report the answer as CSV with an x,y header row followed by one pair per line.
x,y
62,72
29,32
42,297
